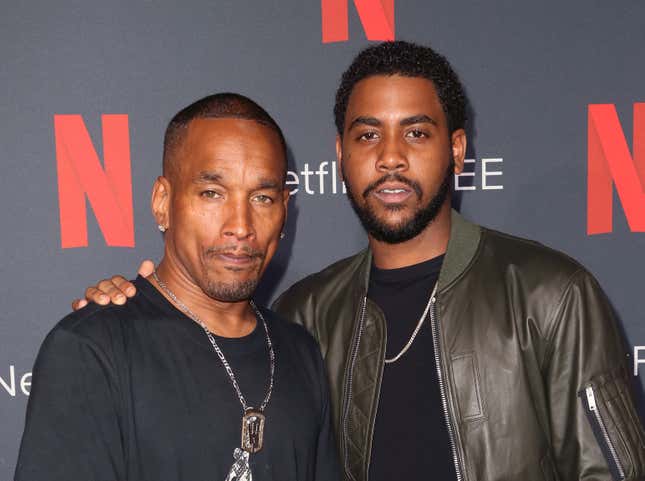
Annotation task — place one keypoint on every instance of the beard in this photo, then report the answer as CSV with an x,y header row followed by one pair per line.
x,y
408,229
230,291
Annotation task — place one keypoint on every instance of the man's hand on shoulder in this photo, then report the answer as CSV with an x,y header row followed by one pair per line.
x,y
115,290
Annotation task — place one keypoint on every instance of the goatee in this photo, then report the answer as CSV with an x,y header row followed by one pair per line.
x,y
406,230
230,291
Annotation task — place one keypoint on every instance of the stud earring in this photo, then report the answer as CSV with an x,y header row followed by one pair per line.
x,y
161,228
282,235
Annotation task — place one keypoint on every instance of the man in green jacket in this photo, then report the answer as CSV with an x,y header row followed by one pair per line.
x,y
452,351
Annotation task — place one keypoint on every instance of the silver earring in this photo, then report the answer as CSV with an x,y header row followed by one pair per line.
x,y
161,228
282,235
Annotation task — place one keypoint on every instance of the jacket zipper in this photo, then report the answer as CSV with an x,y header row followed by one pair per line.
x,y
354,355
611,449
442,388
378,402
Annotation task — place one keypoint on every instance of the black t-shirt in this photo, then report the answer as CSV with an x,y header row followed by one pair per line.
x,y
410,436
136,392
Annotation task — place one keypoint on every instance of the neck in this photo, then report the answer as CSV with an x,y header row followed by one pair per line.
x,y
226,319
430,243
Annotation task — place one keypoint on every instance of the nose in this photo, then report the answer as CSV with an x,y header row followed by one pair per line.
x,y
392,157
239,223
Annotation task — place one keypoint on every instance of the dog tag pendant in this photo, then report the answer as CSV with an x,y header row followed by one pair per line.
x,y
252,430
241,470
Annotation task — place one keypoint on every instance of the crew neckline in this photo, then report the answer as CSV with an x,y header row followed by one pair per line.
x,y
407,273
245,343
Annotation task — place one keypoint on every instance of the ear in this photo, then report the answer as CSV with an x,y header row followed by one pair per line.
x,y
458,143
160,201
339,156
286,195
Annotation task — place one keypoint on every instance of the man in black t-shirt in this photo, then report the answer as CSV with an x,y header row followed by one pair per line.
x,y
190,380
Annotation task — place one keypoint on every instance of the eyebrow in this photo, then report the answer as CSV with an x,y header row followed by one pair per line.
x,y
213,177
418,119
371,121
207,177
374,122
269,184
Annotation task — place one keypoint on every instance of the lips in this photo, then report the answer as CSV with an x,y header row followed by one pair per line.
x,y
237,259
393,189
392,192
238,256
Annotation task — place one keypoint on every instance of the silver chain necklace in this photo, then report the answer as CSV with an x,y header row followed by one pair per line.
x,y
416,329
253,420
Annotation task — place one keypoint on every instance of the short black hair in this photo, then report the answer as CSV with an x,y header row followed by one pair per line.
x,y
220,105
408,60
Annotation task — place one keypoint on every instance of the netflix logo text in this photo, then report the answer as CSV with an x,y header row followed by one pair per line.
x,y
639,358
610,164
376,16
107,186
15,383
324,179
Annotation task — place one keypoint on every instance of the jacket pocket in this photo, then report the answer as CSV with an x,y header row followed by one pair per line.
x,y
613,420
467,385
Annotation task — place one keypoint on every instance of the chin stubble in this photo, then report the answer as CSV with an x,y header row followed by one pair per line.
x,y
230,291
404,231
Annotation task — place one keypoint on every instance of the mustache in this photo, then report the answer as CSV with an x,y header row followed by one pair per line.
x,y
393,177
235,250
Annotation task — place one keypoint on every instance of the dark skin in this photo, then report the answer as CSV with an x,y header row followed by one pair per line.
x,y
223,207
396,124
392,124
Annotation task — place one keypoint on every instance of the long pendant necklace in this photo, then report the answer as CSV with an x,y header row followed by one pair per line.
x,y
416,329
253,420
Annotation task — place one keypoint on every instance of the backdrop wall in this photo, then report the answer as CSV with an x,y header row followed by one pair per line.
x,y
557,138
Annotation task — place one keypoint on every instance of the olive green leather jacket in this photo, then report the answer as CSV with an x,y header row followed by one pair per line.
x,y
531,364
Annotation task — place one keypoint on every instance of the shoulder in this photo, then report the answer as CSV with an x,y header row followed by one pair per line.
x,y
76,335
519,256
93,317
335,278
81,342
97,327
535,277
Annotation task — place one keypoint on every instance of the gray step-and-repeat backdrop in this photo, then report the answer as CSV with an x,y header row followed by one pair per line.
x,y
557,141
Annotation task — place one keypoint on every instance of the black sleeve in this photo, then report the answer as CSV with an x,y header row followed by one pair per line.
x,y
72,429
327,465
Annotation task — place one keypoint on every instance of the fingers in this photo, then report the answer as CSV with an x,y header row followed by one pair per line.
x,y
125,286
146,268
78,303
92,294
111,290
115,290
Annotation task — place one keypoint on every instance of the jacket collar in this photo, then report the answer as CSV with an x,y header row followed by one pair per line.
x,y
462,247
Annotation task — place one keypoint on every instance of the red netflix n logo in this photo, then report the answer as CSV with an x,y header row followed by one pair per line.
x,y
377,18
610,163
80,174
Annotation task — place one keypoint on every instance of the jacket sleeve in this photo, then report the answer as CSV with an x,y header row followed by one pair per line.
x,y
72,429
595,430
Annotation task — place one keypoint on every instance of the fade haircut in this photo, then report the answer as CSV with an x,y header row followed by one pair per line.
x,y
408,60
221,105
